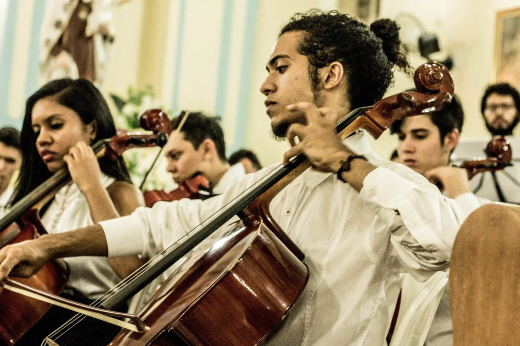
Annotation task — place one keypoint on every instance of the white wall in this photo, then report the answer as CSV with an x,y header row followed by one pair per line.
x,y
466,30
148,52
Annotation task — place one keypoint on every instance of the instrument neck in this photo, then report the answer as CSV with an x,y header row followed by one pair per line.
x,y
271,184
43,193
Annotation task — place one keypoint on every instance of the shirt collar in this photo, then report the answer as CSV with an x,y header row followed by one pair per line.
x,y
232,174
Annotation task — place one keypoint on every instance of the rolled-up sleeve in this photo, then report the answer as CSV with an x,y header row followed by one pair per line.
x,y
422,223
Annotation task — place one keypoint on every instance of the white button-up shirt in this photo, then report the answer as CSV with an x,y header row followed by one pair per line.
x,y
356,244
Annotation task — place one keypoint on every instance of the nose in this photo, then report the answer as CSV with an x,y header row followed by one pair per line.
x,y
406,145
171,167
268,86
44,137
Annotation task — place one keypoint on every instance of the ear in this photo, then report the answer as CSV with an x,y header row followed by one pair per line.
x,y
209,150
333,75
451,140
92,130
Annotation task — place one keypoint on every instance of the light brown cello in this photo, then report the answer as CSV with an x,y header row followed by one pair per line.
x,y
19,313
253,273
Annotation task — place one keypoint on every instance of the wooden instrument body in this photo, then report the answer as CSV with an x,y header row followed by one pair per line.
x,y
19,313
233,295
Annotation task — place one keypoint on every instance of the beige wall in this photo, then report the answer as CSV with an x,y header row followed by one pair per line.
x,y
465,29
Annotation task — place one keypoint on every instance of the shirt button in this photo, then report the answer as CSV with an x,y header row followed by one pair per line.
x,y
288,211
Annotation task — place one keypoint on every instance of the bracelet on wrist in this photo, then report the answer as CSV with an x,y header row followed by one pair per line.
x,y
345,166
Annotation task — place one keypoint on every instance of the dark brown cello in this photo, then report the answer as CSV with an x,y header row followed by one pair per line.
x,y
253,273
18,313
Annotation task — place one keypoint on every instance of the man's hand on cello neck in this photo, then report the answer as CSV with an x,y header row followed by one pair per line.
x,y
322,146
26,258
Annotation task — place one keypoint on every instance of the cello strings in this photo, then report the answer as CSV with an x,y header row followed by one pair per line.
x,y
136,274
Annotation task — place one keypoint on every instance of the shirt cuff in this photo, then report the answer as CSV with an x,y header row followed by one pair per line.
x,y
376,183
468,202
123,236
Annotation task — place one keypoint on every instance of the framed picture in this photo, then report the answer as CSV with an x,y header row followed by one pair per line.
x,y
507,47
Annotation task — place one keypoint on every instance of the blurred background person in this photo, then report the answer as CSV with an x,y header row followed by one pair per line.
x,y
10,161
247,158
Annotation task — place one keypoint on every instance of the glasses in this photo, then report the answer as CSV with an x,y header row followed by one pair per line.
x,y
494,107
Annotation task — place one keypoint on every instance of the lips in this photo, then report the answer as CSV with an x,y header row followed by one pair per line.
x,y
269,104
47,155
409,162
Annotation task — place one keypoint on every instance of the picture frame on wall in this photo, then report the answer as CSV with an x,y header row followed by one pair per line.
x,y
507,47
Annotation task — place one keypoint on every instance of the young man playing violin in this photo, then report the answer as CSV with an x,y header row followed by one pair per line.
x,y
425,143
199,147
360,220
196,146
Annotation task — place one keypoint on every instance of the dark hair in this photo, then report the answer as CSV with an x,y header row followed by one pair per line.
x,y
10,137
85,99
501,89
368,55
394,155
449,118
199,127
244,153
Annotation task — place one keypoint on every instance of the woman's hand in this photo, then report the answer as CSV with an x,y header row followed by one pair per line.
x,y
83,167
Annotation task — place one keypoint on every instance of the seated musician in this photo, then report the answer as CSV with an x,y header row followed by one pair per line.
x,y
500,109
10,161
197,148
360,220
248,159
425,143
200,148
62,120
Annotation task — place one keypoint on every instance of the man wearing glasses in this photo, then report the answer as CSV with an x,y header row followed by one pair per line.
x,y
500,108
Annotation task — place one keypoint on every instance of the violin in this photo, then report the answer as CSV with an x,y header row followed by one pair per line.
x,y
498,156
18,314
253,273
194,188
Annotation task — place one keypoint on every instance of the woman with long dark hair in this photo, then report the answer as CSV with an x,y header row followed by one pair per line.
x,y
62,120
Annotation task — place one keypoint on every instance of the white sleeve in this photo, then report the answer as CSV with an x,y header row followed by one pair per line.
x,y
469,202
422,223
147,231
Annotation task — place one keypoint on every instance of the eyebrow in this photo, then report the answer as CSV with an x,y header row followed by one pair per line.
x,y
414,131
276,58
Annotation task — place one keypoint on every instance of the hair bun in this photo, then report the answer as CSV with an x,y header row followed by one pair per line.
x,y
388,31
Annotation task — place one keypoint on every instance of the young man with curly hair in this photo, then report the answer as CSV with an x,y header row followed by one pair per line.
x,y
360,220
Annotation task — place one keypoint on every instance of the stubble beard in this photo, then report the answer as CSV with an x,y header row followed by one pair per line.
x,y
279,131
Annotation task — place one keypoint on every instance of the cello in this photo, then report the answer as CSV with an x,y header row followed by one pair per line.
x,y
18,314
253,272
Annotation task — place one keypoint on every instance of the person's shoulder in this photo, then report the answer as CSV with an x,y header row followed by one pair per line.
x,y
122,189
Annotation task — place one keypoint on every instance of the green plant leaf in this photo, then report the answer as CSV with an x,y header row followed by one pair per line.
x,y
118,101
